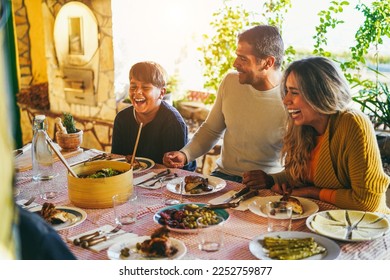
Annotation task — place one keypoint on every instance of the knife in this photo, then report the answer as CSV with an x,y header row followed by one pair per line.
x,y
247,195
238,194
158,175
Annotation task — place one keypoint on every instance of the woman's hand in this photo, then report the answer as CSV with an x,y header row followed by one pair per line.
x,y
258,179
308,191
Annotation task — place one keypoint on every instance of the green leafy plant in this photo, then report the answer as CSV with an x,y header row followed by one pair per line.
x,y
327,20
219,49
369,36
172,84
375,102
69,122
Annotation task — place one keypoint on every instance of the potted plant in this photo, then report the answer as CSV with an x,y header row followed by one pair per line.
x,y
69,138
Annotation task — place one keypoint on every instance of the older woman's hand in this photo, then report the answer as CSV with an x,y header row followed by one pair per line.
x,y
258,179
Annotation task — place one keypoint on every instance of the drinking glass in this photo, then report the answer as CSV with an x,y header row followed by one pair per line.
x,y
166,194
279,215
210,237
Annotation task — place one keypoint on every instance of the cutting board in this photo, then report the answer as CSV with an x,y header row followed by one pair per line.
x,y
24,161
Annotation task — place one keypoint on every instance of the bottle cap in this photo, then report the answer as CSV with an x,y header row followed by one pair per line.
x,y
40,117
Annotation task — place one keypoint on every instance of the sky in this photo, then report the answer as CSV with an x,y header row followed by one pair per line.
x,y
169,32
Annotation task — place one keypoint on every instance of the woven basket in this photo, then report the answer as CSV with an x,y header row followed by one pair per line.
x,y
98,192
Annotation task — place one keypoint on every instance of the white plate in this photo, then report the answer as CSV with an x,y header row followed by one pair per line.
x,y
145,163
77,216
379,221
114,252
216,183
257,206
332,249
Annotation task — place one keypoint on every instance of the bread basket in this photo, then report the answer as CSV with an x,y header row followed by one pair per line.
x,y
98,192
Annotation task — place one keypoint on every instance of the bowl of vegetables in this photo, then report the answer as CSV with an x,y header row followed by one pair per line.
x,y
98,181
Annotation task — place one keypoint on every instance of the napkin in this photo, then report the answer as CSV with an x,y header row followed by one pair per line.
x,y
244,205
140,179
31,206
105,244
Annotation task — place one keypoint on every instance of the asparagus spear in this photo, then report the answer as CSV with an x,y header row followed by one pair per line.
x,y
291,249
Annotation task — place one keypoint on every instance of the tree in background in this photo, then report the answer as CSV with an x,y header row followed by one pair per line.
x,y
219,49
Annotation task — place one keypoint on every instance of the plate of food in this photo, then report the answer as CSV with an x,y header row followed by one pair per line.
x,y
158,246
60,217
195,185
293,245
302,207
182,217
349,225
140,163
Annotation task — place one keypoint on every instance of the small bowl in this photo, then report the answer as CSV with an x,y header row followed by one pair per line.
x,y
69,142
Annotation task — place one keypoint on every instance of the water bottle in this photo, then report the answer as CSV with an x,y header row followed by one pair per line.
x,y
42,155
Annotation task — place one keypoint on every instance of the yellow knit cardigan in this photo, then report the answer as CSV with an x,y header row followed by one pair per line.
x,y
350,163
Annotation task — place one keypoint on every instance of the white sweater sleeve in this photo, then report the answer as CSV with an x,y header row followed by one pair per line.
x,y
209,133
252,125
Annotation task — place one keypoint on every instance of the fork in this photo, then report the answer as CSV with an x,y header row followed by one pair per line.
x,y
162,179
91,242
78,241
28,202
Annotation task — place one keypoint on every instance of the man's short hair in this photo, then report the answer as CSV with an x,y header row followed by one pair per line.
x,y
266,41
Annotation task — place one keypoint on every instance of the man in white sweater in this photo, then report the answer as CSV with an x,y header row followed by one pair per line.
x,y
248,113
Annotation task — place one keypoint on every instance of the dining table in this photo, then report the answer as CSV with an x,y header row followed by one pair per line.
x,y
240,229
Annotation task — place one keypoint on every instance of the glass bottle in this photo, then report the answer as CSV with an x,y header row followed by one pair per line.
x,y
42,155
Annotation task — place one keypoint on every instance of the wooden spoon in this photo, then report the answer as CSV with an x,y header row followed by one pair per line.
x,y
136,145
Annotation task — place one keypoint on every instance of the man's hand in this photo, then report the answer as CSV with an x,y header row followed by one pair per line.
x,y
258,179
175,159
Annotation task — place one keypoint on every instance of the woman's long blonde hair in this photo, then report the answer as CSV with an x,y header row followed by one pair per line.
x,y
325,89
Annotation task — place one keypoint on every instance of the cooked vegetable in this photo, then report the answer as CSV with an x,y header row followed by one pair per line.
x,y
186,218
291,249
125,252
105,172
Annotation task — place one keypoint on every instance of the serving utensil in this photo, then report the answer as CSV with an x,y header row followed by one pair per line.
x,y
60,156
136,145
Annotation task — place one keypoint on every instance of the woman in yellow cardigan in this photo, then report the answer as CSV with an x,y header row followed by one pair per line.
x,y
330,150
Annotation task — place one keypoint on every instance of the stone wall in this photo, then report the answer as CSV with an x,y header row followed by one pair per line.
x,y
31,38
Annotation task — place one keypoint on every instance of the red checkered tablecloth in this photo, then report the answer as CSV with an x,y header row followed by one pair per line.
x,y
240,228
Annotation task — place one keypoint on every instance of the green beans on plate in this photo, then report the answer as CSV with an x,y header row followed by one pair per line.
x,y
291,248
